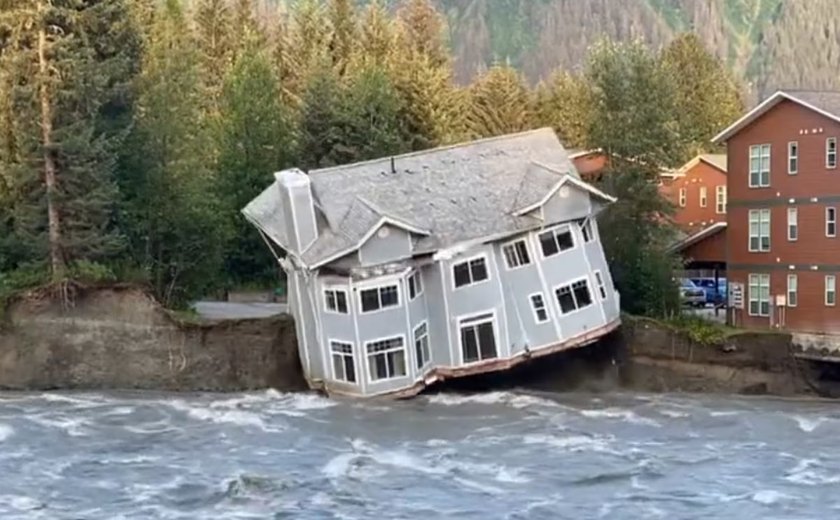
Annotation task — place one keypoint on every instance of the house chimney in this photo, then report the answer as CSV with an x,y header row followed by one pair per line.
x,y
298,208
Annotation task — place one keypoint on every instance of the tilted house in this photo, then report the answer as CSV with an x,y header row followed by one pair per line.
x,y
470,258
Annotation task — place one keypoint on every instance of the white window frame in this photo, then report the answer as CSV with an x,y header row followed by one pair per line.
x,y
830,281
467,261
792,289
474,319
343,355
336,290
367,356
831,155
379,288
683,197
793,158
424,347
599,283
704,197
720,199
512,244
832,222
415,284
555,231
793,224
760,278
535,309
759,152
569,284
587,231
759,220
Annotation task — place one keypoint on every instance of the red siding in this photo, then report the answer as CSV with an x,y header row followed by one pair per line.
x,y
694,217
591,165
710,249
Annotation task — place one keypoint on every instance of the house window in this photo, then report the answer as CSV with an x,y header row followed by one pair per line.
x,y
336,300
792,288
573,297
759,295
793,224
516,254
830,290
720,199
386,358
421,345
759,230
831,222
793,158
586,231
379,298
344,367
415,285
470,272
478,340
602,290
760,166
831,152
538,305
703,197
682,197
556,240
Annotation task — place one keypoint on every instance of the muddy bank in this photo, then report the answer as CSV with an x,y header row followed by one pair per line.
x,y
119,338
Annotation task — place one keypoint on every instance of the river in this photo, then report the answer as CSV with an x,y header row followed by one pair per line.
x,y
506,455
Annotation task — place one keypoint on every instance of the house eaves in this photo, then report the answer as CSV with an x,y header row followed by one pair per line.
x,y
701,235
565,179
357,245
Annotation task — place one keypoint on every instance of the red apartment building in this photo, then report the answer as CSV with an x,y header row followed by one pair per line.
x,y
783,186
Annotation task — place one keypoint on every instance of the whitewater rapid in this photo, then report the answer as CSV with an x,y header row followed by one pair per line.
x,y
506,455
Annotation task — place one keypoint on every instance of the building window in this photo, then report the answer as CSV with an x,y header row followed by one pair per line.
x,y
573,297
386,358
470,272
336,300
478,340
421,345
793,158
380,298
792,288
793,224
759,295
516,254
344,367
720,199
831,152
682,197
830,290
759,230
415,285
602,290
587,231
760,166
703,197
556,240
831,222
538,305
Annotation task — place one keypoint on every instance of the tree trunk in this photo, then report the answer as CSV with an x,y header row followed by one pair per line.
x,y
56,260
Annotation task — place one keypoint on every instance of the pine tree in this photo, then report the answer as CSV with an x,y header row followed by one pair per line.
x,y
310,35
286,62
246,30
424,30
564,102
342,38
376,37
499,103
322,119
372,126
215,42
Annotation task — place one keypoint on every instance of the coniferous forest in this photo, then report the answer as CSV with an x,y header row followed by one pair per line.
x,y
132,132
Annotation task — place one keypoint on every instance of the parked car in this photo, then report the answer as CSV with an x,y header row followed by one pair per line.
x,y
715,294
691,294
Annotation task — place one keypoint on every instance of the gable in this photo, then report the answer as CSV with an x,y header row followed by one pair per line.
x,y
387,244
567,203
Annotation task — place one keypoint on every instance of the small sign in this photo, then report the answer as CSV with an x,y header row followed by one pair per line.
x,y
736,295
781,300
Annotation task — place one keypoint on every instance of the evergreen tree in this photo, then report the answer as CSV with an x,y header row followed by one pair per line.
x,y
246,30
564,102
214,39
499,103
708,97
322,118
424,30
342,15
310,35
286,62
376,36
372,125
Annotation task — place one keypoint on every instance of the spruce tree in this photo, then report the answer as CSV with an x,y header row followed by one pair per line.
x,y
286,62
342,38
372,126
215,43
322,119
564,102
376,36
499,103
424,30
310,35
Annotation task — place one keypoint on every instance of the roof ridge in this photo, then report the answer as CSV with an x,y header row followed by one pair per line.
x,y
455,146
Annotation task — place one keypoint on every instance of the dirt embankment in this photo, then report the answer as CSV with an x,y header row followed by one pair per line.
x,y
120,338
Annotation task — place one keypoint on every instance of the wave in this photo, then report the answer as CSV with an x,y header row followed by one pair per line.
x,y
74,427
221,416
618,413
572,443
809,472
21,503
809,424
769,496
6,431
512,399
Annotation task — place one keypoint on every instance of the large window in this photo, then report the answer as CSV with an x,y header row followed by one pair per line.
x,y
344,367
759,230
759,294
830,290
831,222
792,290
760,166
720,199
587,231
470,272
336,300
386,358
538,306
574,296
556,240
478,339
793,224
831,152
516,254
421,345
380,298
415,285
704,198
793,158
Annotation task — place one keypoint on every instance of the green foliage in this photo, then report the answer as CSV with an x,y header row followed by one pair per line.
x,y
564,103
499,103
698,329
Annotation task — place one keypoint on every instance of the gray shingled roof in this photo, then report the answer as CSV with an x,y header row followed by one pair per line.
x,y
827,101
718,160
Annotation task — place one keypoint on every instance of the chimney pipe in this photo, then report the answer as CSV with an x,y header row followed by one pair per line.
x,y
393,167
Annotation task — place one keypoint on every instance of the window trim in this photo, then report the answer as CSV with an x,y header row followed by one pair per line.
x,y
586,224
553,229
795,223
769,229
794,291
833,291
417,294
534,309
601,284
379,287
793,155
459,320
428,345
683,197
769,165
467,261
829,154
366,354
704,197
833,209
570,283
720,207
758,297
336,289
330,342
509,243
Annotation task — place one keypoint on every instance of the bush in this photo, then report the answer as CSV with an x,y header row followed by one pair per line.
x,y
698,329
